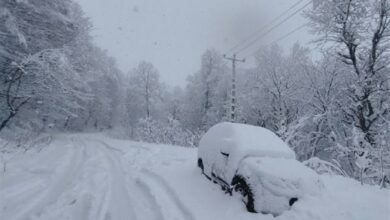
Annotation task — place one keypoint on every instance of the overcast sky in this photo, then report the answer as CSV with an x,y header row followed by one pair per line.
x,y
173,34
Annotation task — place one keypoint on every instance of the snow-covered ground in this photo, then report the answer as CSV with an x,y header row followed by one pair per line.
x,y
91,176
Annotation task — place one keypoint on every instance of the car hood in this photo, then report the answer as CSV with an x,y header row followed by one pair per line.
x,y
280,176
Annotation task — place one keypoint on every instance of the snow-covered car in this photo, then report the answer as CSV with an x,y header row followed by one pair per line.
x,y
257,164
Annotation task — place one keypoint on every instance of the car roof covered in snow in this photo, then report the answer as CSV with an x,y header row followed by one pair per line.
x,y
246,140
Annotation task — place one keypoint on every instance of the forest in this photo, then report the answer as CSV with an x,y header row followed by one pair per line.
x,y
334,106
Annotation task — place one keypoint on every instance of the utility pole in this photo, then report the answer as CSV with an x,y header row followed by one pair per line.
x,y
233,92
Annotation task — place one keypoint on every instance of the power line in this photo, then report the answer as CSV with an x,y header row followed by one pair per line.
x,y
273,28
234,59
289,33
286,35
265,26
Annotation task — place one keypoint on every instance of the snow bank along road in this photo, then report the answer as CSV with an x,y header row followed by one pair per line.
x,y
91,176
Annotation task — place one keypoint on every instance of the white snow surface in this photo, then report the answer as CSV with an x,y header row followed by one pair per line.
x,y
239,141
93,177
323,167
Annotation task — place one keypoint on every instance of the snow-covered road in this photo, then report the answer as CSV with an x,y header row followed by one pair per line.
x,y
94,177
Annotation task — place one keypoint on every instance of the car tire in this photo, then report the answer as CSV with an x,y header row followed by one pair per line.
x,y
241,186
200,164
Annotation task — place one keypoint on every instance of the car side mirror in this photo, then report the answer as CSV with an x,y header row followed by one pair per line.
x,y
225,154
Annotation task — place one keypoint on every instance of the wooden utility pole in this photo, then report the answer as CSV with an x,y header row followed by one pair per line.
x,y
233,93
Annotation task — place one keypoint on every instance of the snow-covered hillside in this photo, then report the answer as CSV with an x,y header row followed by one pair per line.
x,y
91,176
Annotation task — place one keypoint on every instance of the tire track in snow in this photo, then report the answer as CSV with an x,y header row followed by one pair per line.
x,y
144,202
168,200
50,195
150,191
123,207
89,195
150,199
98,191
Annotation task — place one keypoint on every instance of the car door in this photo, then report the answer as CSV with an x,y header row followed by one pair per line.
x,y
224,161
219,168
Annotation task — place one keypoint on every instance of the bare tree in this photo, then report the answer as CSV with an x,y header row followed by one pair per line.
x,y
11,94
358,32
145,83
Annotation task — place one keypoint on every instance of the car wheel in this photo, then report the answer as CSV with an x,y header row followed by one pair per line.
x,y
241,186
200,164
